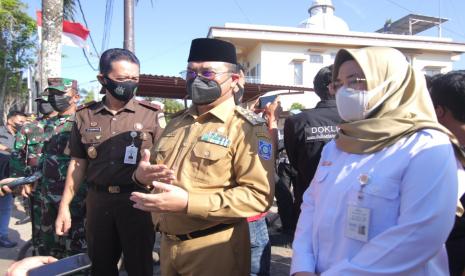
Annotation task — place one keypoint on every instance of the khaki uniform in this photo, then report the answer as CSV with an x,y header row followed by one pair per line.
x,y
224,159
113,225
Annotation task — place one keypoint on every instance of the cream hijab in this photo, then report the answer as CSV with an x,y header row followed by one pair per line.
x,y
406,108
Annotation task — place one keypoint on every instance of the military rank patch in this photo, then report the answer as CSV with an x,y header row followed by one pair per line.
x,y
264,149
216,138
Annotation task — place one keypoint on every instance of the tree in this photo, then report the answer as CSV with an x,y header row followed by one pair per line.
x,y
89,96
16,49
50,50
172,106
297,106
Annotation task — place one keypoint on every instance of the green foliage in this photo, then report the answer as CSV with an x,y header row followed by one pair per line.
x,y
17,37
89,96
172,106
297,106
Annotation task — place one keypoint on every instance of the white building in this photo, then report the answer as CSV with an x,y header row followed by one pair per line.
x,y
293,55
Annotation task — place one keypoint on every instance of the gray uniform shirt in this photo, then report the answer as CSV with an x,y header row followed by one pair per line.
x,y
6,138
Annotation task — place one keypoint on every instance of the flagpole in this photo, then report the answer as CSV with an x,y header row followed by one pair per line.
x,y
129,25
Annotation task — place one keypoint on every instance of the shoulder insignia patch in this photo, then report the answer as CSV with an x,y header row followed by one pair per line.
x,y
250,116
150,105
265,149
85,105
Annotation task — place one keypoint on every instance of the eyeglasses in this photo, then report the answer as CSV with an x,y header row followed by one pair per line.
x,y
206,74
352,83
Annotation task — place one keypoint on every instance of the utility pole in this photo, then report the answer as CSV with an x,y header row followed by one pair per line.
x,y
129,25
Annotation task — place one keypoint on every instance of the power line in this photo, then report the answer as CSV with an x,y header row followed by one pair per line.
x,y
87,26
88,61
107,24
242,11
411,11
400,6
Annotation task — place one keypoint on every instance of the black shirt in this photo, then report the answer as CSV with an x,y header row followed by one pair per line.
x,y
305,134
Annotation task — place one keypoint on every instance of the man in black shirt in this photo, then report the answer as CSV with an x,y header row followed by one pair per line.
x,y
306,133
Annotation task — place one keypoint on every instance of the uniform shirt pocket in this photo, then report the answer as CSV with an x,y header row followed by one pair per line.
x,y
382,197
210,163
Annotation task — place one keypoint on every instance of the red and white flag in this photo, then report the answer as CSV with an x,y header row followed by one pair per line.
x,y
74,34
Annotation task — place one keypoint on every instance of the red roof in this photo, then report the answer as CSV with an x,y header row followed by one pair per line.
x,y
175,87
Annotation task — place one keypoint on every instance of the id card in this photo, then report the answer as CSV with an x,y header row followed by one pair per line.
x,y
358,223
130,157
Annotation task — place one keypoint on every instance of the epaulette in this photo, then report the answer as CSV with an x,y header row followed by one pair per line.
x,y
250,116
150,105
84,105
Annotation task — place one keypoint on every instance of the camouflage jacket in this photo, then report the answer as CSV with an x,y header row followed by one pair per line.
x,y
27,149
55,157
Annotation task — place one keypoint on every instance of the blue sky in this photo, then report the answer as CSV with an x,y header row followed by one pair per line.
x,y
164,30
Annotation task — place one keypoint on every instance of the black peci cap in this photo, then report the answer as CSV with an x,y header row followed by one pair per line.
x,y
210,49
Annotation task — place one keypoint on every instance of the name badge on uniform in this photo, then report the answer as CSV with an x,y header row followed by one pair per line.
x,y
358,223
130,157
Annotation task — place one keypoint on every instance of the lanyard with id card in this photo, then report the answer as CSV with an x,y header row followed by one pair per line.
x,y
358,218
130,156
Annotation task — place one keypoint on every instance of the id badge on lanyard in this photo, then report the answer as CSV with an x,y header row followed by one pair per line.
x,y
130,156
358,218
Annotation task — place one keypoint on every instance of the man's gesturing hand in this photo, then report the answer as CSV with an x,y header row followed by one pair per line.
x,y
146,172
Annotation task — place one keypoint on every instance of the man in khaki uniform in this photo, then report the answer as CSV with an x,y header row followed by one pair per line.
x,y
218,160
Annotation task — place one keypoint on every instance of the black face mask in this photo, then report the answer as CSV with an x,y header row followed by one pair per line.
x,y
59,102
238,95
203,91
121,90
18,126
45,108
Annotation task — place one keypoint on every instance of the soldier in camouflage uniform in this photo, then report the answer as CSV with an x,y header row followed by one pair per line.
x,y
63,96
24,162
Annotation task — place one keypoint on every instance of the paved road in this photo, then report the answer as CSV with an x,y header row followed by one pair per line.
x,y
280,260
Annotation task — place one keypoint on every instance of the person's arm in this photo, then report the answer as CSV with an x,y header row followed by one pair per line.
x,y
428,198
21,268
74,177
4,148
303,258
273,112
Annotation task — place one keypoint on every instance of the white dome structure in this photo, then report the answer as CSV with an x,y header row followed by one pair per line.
x,y
322,18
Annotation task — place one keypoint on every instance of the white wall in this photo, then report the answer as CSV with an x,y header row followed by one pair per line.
x,y
433,60
278,63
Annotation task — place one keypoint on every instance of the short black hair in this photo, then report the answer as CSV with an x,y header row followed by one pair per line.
x,y
15,113
448,90
429,80
321,81
115,54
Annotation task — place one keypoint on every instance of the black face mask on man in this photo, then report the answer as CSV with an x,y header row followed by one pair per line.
x,y
59,102
121,90
203,91
45,108
238,95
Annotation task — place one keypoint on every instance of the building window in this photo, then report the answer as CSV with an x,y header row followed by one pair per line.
x,y
431,71
316,58
333,57
298,73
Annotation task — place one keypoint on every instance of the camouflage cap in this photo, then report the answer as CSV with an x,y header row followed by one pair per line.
x,y
60,84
